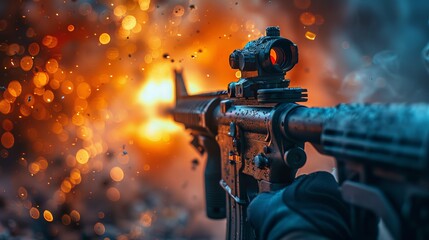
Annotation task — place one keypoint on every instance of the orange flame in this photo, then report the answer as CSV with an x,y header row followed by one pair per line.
x,y
156,94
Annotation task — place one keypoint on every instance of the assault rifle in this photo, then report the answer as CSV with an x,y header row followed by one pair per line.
x,y
253,135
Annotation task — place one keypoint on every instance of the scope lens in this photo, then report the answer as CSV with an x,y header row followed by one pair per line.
x,y
277,56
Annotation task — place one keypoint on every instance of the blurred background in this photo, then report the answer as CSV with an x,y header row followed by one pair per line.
x,y
87,150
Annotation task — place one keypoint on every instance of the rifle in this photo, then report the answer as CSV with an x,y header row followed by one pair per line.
x,y
253,135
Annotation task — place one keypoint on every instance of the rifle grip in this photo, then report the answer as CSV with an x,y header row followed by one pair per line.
x,y
215,195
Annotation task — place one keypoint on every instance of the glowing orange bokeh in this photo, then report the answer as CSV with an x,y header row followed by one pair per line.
x,y
91,85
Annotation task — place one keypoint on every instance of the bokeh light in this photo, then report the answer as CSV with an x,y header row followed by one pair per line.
x,y
307,18
113,194
51,65
14,88
26,63
310,35
34,49
70,28
129,22
48,216
99,228
40,79
7,139
34,213
104,38
82,156
117,174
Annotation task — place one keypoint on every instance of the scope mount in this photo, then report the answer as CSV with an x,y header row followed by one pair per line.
x,y
263,64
